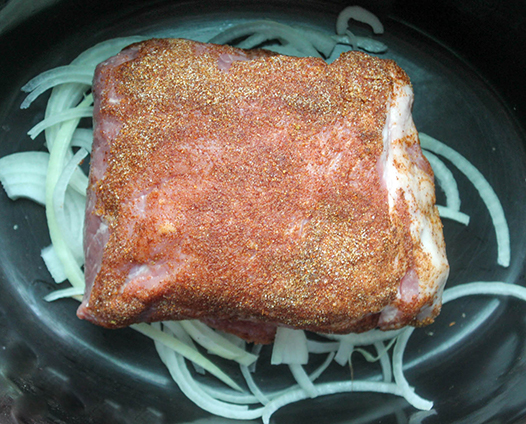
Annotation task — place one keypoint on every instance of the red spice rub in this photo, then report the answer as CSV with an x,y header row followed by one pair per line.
x,y
242,192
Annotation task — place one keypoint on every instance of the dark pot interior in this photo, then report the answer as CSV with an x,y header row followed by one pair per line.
x,y
467,62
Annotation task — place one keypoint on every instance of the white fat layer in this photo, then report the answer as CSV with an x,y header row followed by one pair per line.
x,y
401,174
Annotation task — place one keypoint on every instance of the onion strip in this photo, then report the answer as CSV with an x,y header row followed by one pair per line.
x,y
23,175
215,343
494,288
183,349
267,30
54,77
180,374
75,113
75,292
54,264
253,387
324,389
56,162
452,214
385,362
445,180
358,14
487,194
365,339
303,380
82,137
73,239
406,391
290,347
322,347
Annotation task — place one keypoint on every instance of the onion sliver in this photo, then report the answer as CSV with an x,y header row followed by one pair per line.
x,y
57,76
445,180
229,395
54,264
452,214
254,389
186,351
82,137
495,288
23,174
75,113
488,195
290,347
56,163
329,389
267,30
344,351
303,380
364,339
74,292
358,14
385,362
177,368
406,391
364,43
71,225
322,347
215,343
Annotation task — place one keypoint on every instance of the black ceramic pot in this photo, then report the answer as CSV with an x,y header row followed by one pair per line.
x,y
467,62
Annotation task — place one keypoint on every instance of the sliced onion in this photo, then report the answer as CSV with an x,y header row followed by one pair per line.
x,y
329,389
345,351
70,224
385,362
495,288
366,338
230,396
267,30
215,343
312,377
54,77
358,14
253,387
322,347
445,180
290,347
75,292
320,40
364,43
75,113
186,351
65,74
177,368
83,137
23,175
303,380
487,194
56,163
54,264
406,391
452,214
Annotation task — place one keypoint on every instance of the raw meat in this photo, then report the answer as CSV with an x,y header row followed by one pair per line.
x,y
252,190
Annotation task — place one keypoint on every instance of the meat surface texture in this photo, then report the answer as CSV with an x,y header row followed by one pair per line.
x,y
251,190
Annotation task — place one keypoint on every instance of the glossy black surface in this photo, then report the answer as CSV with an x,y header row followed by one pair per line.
x,y
471,362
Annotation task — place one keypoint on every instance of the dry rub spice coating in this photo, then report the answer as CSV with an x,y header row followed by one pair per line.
x,y
242,191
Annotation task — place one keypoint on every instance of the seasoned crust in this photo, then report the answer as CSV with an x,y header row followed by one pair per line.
x,y
244,192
